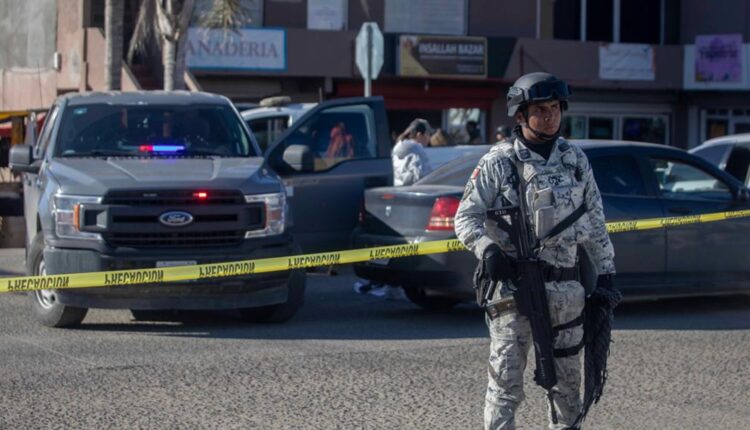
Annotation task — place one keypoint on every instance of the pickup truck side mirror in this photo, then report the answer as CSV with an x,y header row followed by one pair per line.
x,y
22,159
299,158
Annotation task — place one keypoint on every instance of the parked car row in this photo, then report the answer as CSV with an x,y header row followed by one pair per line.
x,y
636,181
156,179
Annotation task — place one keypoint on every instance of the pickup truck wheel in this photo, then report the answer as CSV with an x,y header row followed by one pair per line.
x,y
284,311
419,297
45,307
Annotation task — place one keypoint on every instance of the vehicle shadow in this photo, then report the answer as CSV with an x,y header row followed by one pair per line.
x,y
694,313
388,320
402,321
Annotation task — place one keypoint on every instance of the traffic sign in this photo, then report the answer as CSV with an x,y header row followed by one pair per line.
x,y
369,52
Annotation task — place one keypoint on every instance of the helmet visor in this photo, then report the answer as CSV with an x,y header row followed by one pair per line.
x,y
554,90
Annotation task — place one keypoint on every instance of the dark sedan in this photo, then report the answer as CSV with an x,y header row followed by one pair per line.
x,y
637,181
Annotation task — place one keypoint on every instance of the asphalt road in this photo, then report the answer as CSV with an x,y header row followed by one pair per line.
x,y
353,361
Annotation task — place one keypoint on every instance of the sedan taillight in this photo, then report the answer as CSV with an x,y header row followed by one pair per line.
x,y
443,212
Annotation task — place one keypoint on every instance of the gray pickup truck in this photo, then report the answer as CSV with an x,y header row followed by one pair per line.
x,y
155,179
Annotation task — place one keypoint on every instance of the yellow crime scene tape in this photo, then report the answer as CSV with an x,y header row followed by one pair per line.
x,y
249,267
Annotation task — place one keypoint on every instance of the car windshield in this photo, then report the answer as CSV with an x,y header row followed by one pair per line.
x,y
152,131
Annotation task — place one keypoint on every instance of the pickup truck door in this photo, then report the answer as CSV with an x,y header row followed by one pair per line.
x,y
32,188
349,144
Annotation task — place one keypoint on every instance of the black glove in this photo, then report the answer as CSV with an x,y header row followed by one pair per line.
x,y
499,266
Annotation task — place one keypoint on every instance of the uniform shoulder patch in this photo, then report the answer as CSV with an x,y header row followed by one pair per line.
x,y
563,146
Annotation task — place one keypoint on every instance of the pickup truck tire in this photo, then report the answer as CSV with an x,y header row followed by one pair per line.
x,y
44,305
419,297
284,311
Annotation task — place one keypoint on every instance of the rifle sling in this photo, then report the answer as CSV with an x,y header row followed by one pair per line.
x,y
567,222
567,352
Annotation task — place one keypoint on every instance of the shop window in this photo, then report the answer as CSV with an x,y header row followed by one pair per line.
x,y
618,175
640,21
651,130
741,127
679,180
567,16
599,20
716,127
465,126
601,128
573,127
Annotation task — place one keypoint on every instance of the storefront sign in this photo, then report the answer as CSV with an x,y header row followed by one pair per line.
x,y
627,62
718,58
442,56
244,49
326,14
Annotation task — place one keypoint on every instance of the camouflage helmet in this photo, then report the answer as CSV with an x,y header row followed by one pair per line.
x,y
536,87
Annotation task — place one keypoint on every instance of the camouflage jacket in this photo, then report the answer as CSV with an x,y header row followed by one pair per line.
x,y
566,179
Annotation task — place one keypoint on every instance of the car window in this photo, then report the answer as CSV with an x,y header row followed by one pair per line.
x,y
738,163
618,175
46,133
714,154
152,130
680,180
267,130
337,134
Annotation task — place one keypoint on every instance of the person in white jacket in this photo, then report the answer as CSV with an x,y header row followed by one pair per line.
x,y
410,162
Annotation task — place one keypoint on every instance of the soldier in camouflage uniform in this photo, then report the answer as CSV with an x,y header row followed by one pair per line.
x,y
558,177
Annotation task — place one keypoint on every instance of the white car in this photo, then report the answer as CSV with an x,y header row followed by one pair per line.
x,y
731,153
272,117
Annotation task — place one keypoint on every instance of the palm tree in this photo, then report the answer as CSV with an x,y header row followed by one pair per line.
x,y
169,20
113,11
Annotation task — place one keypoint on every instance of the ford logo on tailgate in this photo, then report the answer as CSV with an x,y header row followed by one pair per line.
x,y
175,218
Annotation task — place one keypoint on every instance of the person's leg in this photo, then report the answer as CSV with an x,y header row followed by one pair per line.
x,y
566,301
510,340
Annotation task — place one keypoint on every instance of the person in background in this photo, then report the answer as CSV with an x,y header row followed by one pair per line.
x,y
410,162
440,138
475,136
502,134
341,145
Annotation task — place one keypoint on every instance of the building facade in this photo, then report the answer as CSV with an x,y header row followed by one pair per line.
x,y
667,71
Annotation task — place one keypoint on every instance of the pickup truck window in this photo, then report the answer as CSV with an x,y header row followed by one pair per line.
x,y
46,133
267,130
152,130
338,134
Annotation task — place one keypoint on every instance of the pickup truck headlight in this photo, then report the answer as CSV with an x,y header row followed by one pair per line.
x,y
66,212
275,205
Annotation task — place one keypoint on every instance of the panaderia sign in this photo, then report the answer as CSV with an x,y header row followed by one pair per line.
x,y
244,49
442,56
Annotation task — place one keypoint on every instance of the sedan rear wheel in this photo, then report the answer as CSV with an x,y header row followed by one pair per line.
x,y
420,297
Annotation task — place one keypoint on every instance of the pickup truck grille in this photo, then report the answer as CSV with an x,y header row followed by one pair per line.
x,y
132,219
196,239
173,198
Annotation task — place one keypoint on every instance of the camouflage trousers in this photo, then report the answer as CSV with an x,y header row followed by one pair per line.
x,y
511,341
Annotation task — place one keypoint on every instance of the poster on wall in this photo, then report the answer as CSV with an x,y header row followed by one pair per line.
x,y
426,16
442,56
627,62
718,58
243,49
326,14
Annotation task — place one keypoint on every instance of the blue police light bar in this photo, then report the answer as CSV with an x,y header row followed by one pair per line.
x,y
162,148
